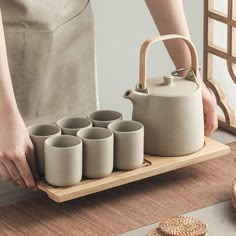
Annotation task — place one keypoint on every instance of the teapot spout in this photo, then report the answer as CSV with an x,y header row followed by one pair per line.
x,y
136,97
129,94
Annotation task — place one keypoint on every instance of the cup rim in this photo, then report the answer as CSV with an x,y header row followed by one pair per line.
x,y
125,121
61,137
93,128
74,117
43,125
101,111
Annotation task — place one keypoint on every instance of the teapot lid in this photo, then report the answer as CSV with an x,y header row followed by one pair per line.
x,y
171,86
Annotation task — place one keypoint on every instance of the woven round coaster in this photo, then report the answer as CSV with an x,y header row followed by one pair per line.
x,y
157,232
183,226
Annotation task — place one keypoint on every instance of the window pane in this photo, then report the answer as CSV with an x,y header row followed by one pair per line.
x,y
234,10
218,35
219,6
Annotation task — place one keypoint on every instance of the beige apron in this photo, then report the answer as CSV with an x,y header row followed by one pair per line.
x,y
50,47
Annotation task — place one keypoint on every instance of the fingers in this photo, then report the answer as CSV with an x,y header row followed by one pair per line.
x,y
210,128
14,173
16,167
24,170
31,161
211,121
4,173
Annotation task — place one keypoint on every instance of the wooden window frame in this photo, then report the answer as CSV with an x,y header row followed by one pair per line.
x,y
228,122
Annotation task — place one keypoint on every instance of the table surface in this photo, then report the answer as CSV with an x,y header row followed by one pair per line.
x,y
221,218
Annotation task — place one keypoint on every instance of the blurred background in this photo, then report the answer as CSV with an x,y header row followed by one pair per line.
x,y
121,27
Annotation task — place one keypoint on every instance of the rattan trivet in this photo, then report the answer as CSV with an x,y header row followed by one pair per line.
x,y
157,232
183,226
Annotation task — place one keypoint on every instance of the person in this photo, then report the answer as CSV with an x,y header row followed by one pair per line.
x,y
47,70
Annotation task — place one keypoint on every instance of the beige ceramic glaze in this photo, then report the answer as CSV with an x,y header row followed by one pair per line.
x,y
63,160
72,125
169,107
38,135
98,148
128,145
103,118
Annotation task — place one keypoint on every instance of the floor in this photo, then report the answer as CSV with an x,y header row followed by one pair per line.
x,y
220,218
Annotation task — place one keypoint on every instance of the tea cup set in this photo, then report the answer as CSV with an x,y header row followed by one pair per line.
x,y
169,108
89,147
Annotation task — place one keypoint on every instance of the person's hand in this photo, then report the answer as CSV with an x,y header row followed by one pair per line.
x,y
209,105
209,109
17,163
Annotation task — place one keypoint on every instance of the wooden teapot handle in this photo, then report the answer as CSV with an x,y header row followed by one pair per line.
x,y
143,56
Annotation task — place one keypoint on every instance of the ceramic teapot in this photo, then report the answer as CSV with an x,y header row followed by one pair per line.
x,y
170,107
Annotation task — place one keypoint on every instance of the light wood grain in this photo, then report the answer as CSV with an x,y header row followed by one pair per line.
x,y
210,14
216,15
149,42
222,101
154,166
127,207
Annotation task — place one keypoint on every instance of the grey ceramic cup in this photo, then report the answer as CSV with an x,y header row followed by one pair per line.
x,y
71,125
103,118
63,160
98,150
129,144
38,135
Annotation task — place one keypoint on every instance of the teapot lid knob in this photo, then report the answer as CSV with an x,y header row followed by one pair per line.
x,y
168,80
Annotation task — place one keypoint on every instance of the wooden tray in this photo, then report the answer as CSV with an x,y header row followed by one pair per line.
x,y
153,165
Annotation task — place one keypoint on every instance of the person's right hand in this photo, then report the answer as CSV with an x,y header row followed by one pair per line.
x,y
209,108
17,163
